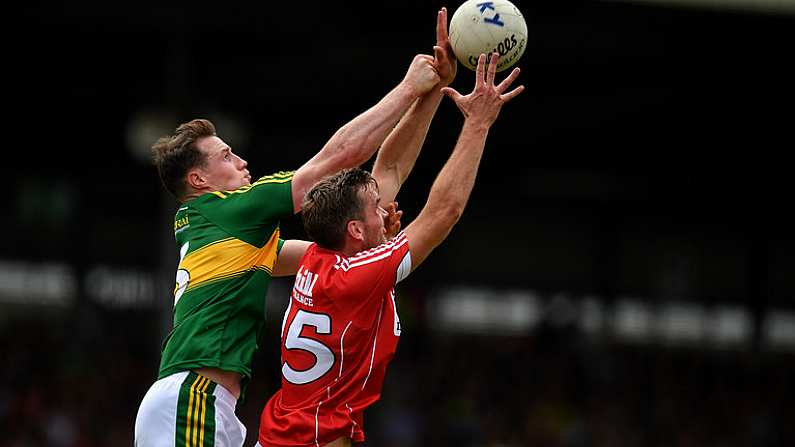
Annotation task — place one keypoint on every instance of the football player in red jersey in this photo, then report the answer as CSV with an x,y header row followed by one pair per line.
x,y
341,327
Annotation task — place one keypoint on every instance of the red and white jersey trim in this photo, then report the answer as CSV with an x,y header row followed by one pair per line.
x,y
376,254
389,245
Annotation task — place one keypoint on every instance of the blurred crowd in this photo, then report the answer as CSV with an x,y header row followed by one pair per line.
x,y
75,378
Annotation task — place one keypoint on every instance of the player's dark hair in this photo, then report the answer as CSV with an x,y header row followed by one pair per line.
x,y
332,203
176,154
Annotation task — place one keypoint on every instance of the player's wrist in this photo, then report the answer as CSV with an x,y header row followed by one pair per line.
x,y
476,125
434,96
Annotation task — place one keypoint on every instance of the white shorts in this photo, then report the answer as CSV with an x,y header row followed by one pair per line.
x,y
188,410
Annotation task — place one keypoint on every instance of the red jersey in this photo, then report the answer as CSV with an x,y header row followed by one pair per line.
x,y
339,333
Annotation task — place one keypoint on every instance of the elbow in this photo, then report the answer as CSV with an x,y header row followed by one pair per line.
x,y
356,152
456,212
348,155
446,206
349,148
450,213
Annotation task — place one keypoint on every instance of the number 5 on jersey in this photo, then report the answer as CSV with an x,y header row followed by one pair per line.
x,y
324,357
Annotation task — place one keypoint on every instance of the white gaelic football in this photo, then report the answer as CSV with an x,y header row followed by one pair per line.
x,y
488,27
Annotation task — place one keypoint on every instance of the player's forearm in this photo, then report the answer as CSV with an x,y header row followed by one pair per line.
x,y
355,142
359,138
400,150
451,189
403,145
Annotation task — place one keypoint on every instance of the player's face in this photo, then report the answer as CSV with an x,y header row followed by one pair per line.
x,y
374,214
224,170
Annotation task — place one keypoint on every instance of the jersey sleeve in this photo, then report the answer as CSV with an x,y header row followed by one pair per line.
x,y
374,272
250,209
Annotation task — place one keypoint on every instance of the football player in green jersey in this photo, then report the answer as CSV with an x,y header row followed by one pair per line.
x,y
227,231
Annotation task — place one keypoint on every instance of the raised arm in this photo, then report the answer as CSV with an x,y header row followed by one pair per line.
x,y
355,142
452,187
401,148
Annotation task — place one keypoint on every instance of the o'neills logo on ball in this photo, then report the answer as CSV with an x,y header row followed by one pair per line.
x,y
503,48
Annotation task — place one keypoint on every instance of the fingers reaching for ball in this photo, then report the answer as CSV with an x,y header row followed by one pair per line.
x,y
484,103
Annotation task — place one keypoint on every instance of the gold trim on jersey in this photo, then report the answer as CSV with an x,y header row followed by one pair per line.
x,y
281,177
227,258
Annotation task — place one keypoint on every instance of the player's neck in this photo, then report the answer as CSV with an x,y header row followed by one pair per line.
x,y
352,247
193,193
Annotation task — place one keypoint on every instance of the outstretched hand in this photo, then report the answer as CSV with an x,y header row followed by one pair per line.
x,y
392,220
444,58
486,99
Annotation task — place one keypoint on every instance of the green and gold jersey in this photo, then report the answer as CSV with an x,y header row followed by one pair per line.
x,y
228,246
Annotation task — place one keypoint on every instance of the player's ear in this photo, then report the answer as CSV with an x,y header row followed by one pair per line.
x,y
355,229
195,179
